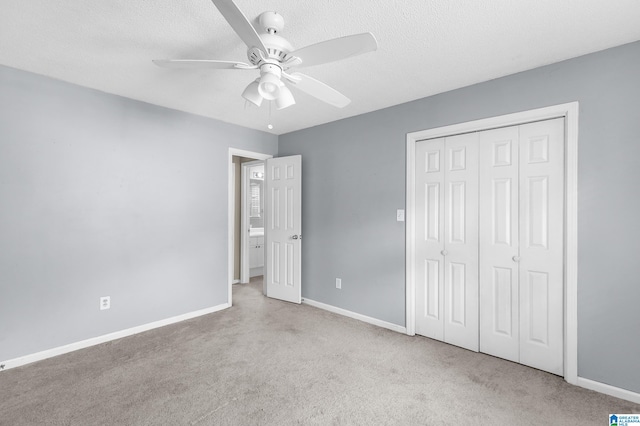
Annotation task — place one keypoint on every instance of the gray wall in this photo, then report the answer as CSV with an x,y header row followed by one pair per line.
x,y
354,179
105,196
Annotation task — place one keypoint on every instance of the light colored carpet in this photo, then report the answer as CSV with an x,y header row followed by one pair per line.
x,y
266,362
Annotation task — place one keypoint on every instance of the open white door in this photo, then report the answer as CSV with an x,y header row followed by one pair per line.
x,y
283,190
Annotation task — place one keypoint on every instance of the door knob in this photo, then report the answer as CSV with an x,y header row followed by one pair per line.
x,y
516,258
295,237
444,252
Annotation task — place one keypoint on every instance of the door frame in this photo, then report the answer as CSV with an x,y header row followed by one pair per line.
x,y
231,210
570,113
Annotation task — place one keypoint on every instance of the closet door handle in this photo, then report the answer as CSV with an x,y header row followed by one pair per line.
x,y
444,252
516,259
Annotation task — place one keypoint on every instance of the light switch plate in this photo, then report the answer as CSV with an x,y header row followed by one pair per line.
x,y
400,215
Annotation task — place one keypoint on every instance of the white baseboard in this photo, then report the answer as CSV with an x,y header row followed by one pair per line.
x,y
38,356
360,317
609,390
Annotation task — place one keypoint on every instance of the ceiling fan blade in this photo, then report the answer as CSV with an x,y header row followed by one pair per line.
x,y
336,49
317,89
201,63
240,24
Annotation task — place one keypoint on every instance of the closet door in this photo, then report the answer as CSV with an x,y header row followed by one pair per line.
x,y
499,243
447,240
541,245
522,244
461,241
429,182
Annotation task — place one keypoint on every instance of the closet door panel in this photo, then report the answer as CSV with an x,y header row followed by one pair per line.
x,y
461,241
429,261
541,244
499,242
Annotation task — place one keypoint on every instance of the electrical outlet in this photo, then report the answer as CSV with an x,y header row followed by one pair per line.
x,y
400,215
105,303
339,283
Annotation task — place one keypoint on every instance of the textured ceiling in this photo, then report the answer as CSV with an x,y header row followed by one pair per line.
x,y
424,48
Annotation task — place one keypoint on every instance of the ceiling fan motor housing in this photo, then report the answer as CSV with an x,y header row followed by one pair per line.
x,y
269,68
278,48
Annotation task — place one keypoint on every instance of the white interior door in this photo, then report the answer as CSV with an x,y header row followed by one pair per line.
x,y
522,244
461,241
283,190
429,261
541,245
499,243
447,240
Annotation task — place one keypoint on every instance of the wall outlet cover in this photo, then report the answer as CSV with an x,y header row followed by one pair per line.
x,y
105,303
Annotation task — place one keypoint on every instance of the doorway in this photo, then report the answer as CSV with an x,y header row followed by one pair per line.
x,y
237,158
252,221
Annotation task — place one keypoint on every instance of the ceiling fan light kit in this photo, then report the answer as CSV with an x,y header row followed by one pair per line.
x,y
274,56
269,85
285,98
252,94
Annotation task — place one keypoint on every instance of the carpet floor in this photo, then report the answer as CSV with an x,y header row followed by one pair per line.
x,y
266,362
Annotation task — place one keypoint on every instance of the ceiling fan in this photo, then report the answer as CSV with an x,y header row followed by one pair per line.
x,y
274,57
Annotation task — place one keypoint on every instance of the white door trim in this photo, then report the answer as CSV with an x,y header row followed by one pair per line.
x,y
570,112
231,208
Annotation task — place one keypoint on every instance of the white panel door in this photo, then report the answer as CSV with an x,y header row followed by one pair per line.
x,y
429,184
447,240
522,244
283,190
541,245
461,241
499,243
